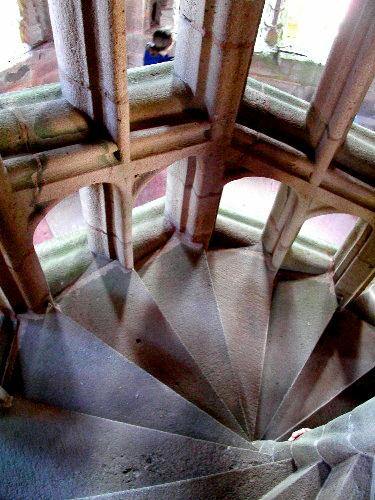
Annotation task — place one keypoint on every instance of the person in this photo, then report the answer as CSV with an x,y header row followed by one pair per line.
x,y
158,50
297,434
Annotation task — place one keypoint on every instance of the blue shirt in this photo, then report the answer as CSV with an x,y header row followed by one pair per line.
x,y
158,58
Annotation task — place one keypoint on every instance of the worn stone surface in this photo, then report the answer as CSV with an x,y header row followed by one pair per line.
x,y
345,352
300,312
64,365
348,480
305,483
180,282
127,318
51,453
247,484
244,299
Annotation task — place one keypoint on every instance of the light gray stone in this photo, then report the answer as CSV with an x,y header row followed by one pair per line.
x,y
51,453
244,299
117,307
349,480
180,282
247,484
345,352
301,310
304,484
64,365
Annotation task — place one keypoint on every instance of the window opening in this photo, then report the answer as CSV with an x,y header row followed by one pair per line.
x,y
27,56
293,43
60,241
243,211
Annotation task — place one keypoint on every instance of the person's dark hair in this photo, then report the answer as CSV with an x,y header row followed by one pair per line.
x,y
161,40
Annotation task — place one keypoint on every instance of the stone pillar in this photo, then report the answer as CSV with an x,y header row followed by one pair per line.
x,y
205,197
358,274
107,211
213,58
135,31
351,247
21,277
336,102
180,180
35,24
281,212
90,42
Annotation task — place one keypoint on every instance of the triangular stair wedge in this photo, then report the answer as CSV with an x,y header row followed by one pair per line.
x,y
356,394
349,479
247,484
62,364
180,282
300,312
344,354
243,287
116,306
47,452
303,484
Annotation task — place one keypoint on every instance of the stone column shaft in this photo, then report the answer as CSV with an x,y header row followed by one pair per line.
x,y
213,58
90,42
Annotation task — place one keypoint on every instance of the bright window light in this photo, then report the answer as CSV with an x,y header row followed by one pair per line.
x,y
12,48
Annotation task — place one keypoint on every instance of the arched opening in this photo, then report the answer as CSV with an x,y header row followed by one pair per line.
x,y
243,211
319,241
60,241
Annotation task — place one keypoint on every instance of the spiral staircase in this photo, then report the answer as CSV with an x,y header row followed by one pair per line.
x,y
183,380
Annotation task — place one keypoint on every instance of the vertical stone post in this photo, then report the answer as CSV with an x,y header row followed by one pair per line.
x,y
90,42
35,25
21,277
135,27
335,104
351,247
180,180
214,47
281,212
358,274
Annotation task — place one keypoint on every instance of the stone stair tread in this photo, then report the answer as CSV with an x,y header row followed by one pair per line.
x,y
300,312
63,364
116,306
243,287
344,353
303,484
348,479
180,282
354,395
246,484
47,452
336,441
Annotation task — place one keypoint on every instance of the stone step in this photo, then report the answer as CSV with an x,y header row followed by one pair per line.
x,y
47,452
344,353
243,289
180,282
349,479
116,306
340,439
303,484
300,312
247,484
63,364
360,391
